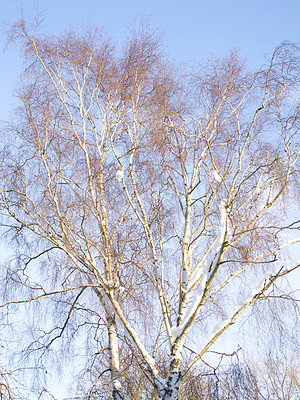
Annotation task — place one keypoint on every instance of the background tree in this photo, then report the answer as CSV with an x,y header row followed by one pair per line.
x,y
145,191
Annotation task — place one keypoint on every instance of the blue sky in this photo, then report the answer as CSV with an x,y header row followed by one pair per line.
x,y
193,30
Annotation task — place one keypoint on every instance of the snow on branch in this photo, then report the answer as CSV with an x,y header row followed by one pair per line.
x,y
119,175
290,267
265,283
255,293
202,274
212,254
177,330
222,326
219,328
217,176
260,289
223,225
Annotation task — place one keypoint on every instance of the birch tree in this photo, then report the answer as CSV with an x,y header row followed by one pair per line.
x,y
167,196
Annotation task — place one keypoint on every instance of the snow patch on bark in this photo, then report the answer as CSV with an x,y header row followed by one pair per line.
x,y
259,289
218,328
291,266
254,292
117,384
217,176
119,175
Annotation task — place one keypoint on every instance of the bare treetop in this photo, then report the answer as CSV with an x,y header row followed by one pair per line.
x,y
165,195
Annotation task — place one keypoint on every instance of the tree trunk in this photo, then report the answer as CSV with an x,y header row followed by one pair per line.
x,y
117,391
172,386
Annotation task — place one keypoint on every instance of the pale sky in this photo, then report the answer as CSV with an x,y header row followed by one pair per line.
x,y
193,29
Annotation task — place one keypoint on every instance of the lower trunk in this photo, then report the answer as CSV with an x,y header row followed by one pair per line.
x,y
172,385
114,358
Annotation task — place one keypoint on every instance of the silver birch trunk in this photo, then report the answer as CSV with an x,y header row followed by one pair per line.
x,y
172,386
114,362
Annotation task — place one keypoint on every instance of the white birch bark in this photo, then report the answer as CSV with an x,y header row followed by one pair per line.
x,y
117,392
